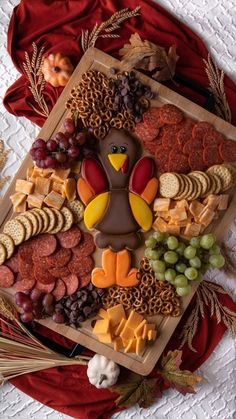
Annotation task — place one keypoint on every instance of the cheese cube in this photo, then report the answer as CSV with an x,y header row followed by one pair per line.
x,y
75,167
192,230
21,207
24,186
17,199
59,175
161,204
120,327
57,187
35,200
183,203
116,314
163,214
134,320
103,313
196,208
101,327
127,333
160,225
173,229
139,330
140,345
152,334
223,202
206,217
178,214
42,185
118,344
54,199
105,338
70,189
212,202
131,346
29,172
147,327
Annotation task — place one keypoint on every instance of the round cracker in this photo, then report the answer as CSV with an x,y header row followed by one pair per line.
x,y
77,209
169,185
218,183
188,189
224,173
16,230
3,253
203,178
40,221
44,217
197,188
34,220
52,219
27,224
68,218
8,243
59,221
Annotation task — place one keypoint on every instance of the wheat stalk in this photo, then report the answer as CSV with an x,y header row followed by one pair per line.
x,y
3,159
89,39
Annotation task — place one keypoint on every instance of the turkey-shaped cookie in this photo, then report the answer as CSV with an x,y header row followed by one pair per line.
x,y
117,192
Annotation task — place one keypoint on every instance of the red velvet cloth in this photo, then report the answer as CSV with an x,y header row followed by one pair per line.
x,y
57,24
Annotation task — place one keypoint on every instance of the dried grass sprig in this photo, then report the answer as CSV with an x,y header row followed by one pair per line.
x,y
207,294
89,38
216,87
21,352
3,158
33,71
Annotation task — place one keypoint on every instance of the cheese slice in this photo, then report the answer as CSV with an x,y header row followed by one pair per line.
x,y
196,208
140,345
105,338
21,207
103,313
17,199
212,202
60,175
118,344
139,329
173,229
134,320
131,346
101,327
147,327
116,314
178,214
24,186
35,200
206,217
160,225
120,327
192,230
127,333
152,334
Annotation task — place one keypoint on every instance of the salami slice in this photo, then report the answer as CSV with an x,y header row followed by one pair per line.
x,y
13,263
43,275
184,135
169,136
200,129
59,290
80,265
227,151
47,288
25,284
60,258
86,246
179,164
25,268
196,160
85,280
161,157
59,272
213,138
146,132
152,117
72,283
69,238
6,277
170,114
25,251
192,144
44,245
211,156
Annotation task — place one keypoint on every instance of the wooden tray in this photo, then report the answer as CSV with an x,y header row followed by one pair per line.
x,y
97,60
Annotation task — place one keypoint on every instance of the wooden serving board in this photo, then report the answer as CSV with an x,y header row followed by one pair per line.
x,y
95,59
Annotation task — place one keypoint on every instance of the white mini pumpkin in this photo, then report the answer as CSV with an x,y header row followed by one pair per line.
x,y
102,372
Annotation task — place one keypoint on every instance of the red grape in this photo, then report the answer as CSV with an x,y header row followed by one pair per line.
x,y
48,300
52,145
50,162
58,318
60,135
20,298
80,138
61,157
38,310
39,143
73,141
64,143
49,310
32,152
35,294
40,154
26,317
27,306
73,152
69,125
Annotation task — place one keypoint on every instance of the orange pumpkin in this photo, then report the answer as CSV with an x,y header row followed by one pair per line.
x,y
57,69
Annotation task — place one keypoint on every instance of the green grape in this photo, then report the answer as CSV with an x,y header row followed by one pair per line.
x,y
151,254
181,281
161,276
170,275
170,257
195,242
189,252
158,236
182,291
172,243
151,242
199,277
180,248
217,261
180,267
215,250
195,262
191,273
205,267
159,266
207,241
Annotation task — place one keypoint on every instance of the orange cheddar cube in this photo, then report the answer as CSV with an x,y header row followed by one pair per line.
x,y
140,345
120,327
57,187
21,207
105,338
54,200
173,229
117,344
103,313
24,186
178,214
152,334
35,200
17,199
70,189
206,217
183,203
127,333
116,314
75,167
212,202
160,225
192,230
163,214
223,202
29,172
131,346
161,204
196,208
139,329
42,185
101,327
134,320
147,327
60,175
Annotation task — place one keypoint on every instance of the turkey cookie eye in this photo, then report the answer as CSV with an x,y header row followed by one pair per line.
x,y
114,149
123,149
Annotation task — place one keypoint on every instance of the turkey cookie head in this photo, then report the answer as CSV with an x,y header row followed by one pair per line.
x,y
118,152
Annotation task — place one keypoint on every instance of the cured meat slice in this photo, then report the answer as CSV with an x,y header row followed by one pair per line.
x,y
196,160
13,263
85,280
179,164
184,135
80,266
170,114
25,251
69,238
47,288
152,117
42,275
192,144
227,151
59,272
146,132
213,138
72,283
6,277
25,268
44,245
200,129
25,284
60,258
211,155
86,246
169,135
59,290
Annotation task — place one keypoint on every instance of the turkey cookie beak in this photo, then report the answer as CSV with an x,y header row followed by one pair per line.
x,y
117,160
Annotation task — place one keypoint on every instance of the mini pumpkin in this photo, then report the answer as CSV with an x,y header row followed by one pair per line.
x,y
57,69
102,372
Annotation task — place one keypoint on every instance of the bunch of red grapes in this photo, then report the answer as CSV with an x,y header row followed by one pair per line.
x,y
65,147
34,304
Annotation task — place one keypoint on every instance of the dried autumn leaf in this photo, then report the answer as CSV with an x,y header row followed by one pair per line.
x,y
182,380
137,389
147,56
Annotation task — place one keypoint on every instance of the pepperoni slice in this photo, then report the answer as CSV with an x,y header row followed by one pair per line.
x,y
59,272
184,135
152,117
195,160
69,238
13,263
81,266
179,164
162,156
86,247
44,245
25,284
151,147
227,150
170,114
72,283
169,136
146,132
192,144
47,288
213,138
176,149
200,129
85,280
60,258
59,290
6,277
43,275
211,155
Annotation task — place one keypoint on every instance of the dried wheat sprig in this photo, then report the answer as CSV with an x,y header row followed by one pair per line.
x,y
33,72
89,38
216,87
3,158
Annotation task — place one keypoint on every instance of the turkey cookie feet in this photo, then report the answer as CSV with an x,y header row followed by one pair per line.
x,y
115,270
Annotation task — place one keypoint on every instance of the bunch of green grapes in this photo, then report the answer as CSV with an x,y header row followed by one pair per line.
x,y
182,263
